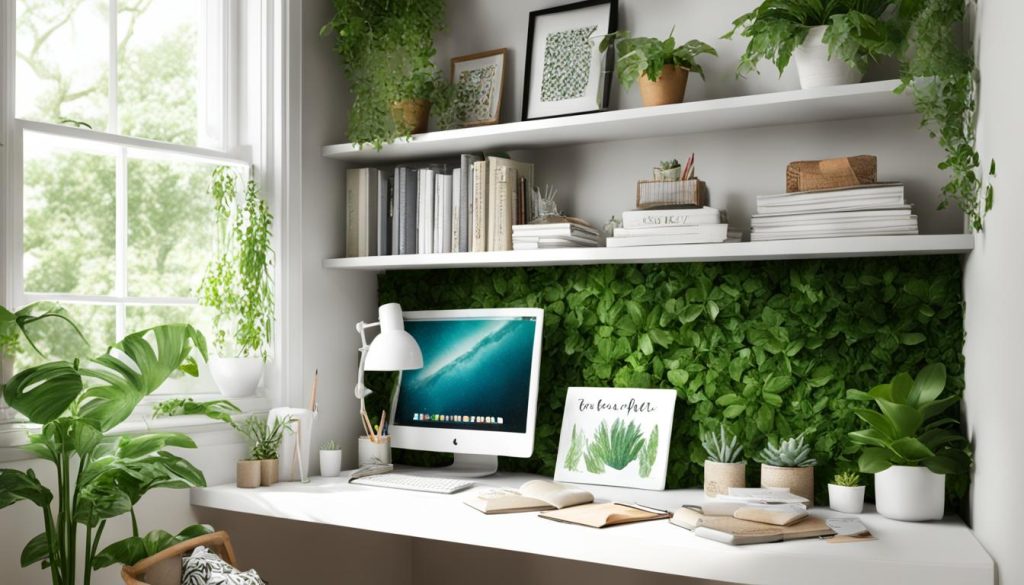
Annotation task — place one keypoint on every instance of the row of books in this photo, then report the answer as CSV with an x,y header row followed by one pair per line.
x,y
868,210
659,227
469,205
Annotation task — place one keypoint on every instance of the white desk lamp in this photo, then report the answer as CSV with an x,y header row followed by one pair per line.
x,y
392,350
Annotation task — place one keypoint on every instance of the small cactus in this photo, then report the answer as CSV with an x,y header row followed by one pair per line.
x,y
789,453
669,164
847,479
722,447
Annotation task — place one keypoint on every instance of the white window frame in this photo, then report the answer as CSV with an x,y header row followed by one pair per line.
x,y
253,42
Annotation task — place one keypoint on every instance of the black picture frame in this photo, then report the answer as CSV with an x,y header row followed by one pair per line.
x,y
606,73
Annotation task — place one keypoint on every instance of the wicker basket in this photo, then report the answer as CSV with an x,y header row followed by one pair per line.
x,y
651,194
833,173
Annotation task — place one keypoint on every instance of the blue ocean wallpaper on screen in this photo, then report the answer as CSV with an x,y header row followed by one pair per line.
x,y
475,374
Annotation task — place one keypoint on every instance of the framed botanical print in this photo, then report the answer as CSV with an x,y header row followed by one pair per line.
x,y
566,74
481,76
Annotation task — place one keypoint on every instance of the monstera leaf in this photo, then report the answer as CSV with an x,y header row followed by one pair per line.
x,y
135,548
14,326
43,393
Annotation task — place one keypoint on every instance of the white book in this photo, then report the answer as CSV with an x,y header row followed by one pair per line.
x,y
457,211
478,228
648,218
533,496
901,211
368,213
435,234
566,241
676,230
465,192
553,229
709,234
810,234
353,178
833,200
444,226
839,226
425,213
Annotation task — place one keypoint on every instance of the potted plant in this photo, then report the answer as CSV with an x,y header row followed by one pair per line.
x,y
909,445
723,468
660,66
386,50
789,464
668,170
833,42
845,494
330,459
264,438
239,286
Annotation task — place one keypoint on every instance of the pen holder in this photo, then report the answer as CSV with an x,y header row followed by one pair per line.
x,y
371,453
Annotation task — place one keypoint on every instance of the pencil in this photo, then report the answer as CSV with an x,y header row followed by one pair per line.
x,y
312,397
380,429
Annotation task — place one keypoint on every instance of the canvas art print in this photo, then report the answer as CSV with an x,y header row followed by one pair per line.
x,y
616,436
565,72
481,76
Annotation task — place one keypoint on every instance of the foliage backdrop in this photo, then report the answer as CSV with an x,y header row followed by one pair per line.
x,y
768,347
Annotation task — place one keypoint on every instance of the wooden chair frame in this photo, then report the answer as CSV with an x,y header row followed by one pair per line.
x,y
218,542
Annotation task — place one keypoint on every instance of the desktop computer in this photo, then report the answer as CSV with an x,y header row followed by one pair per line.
x,y
476,394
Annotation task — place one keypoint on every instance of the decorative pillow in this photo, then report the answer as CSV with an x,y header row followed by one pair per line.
x,y
204,567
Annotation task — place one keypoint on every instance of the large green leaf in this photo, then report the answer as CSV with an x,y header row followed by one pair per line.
x,y
905,420
137,446
928,385
43,393
874,460
869,437
900,387
15,325
22,485
910,449
133,549
100,500
882,425
36,551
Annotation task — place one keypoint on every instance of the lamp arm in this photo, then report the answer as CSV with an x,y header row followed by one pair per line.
x,y
361,390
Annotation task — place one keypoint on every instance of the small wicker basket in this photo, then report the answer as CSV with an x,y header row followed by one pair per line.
x,y
651,194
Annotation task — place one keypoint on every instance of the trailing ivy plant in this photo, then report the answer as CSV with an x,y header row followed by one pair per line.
x,y
386,50
238,284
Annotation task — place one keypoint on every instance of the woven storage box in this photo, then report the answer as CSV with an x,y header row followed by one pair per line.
x,y
664,193
833,173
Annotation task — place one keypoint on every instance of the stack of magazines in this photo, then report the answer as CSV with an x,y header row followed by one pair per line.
x,y
867,210
660,227
554,235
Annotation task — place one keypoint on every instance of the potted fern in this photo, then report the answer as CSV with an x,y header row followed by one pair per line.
x,y
789,464
909,445
660,66
724,467
846,494
238,284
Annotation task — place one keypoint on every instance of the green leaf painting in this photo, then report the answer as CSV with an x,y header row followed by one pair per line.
x,y
649,453
577,446
616,446
784,343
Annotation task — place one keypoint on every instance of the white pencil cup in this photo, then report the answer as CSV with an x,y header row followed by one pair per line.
x,y
371,453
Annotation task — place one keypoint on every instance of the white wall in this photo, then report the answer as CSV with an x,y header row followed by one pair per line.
x,y
993,289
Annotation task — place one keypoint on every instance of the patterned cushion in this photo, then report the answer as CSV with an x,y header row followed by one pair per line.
x,y
204,567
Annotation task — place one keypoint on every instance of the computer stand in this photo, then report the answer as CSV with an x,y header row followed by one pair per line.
x,y
468,465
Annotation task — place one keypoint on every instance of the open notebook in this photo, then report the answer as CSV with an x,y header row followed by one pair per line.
x,y
606,514
533,496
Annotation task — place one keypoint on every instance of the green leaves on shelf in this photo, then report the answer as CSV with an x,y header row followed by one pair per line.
x,y
766,349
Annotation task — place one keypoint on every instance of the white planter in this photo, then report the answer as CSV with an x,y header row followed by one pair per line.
x,y
236,377
814,66
330,463
846,499
913,494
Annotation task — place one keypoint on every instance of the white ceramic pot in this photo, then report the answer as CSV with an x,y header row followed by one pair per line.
x,y
236,377
914,494
330,463
846,499
814,66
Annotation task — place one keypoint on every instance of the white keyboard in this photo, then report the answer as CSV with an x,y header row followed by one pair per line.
x,y
436,485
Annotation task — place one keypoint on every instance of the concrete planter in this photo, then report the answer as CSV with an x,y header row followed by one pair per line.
x,y
719,477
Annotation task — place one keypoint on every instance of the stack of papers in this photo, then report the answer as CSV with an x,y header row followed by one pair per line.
x,y
554,235
670,227
868,210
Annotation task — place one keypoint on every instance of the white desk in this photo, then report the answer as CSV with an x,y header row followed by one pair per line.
x,y
937,553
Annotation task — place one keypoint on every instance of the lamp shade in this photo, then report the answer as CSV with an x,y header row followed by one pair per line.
x,y
393,349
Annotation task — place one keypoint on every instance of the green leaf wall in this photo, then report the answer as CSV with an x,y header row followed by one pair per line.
x,y
768,347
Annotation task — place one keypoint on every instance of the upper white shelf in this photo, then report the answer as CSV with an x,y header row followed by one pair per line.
x,y
862,100
724,252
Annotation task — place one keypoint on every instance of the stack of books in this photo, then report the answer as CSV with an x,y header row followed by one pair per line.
x,y
659,227
554,235
868,210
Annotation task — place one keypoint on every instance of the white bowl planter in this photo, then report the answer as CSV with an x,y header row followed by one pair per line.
x,y
846,499
236,377
913,494
814,66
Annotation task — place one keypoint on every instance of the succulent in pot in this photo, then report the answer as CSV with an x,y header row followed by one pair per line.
x,y
845,493
724,467
264,437
788,464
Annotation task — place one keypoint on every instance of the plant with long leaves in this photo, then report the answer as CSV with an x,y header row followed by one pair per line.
x,y
648,56
911,426
99,477
577,446
618,445
264,437
722,447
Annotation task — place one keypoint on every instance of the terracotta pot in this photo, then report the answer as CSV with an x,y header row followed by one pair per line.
x,y
719,477
668,89
247,473
268,472
799,480
411,114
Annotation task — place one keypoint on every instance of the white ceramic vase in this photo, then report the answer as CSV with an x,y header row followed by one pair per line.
x,y
913,494
236,377
330,463
814,66
846,499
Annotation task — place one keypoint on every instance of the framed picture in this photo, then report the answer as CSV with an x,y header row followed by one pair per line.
x,y
482,75
565,72
616,436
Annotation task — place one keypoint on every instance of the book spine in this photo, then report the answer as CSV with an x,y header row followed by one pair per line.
x,y
457,207
649,219
410,211
437,244
352,213
480,206
506,180
368,214
396,211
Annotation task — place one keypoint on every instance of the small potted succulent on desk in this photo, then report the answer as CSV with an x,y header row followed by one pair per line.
x,y
724,467
668,170
789,464
264,438
660,66
330,459
846,494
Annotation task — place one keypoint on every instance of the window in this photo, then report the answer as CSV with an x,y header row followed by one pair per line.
x,y
123,109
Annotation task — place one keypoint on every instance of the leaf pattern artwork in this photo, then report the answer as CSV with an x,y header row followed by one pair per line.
x,y
204,567
480,84
649,453
618,445
577,445
567,56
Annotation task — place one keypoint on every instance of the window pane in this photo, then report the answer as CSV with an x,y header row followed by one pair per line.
x,y
159,89
57,340
69,241
170,227
63,61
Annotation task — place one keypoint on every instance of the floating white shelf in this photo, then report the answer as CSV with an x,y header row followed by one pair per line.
x,y
725,252
861,100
